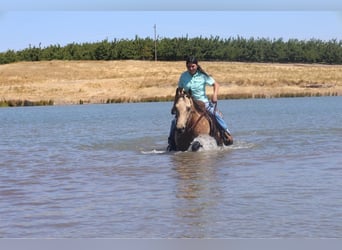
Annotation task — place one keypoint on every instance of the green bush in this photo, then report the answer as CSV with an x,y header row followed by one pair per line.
x,y
175,49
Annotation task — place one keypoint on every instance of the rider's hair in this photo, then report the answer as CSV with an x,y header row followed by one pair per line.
x,y
193,60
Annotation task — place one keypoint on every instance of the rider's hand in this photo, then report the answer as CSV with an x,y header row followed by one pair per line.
x,y
214,99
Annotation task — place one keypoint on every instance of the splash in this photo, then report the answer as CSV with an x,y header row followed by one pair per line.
x,y
205,143
154,151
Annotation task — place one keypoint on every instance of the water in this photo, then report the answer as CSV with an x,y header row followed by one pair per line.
x,y
101,171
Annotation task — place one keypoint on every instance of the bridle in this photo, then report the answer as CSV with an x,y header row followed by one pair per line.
x,y
203,113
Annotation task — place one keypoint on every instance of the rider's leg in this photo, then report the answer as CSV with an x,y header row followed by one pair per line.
x,y
171,138
227,137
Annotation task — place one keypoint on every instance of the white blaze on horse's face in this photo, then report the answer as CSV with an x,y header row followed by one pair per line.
x,y
183,107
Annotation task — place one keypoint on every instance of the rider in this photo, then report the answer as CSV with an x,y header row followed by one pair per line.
x,y
196,79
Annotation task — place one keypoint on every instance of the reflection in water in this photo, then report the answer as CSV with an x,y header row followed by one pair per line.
x,y
197,191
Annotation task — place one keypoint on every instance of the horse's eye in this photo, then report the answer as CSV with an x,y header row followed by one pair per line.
x,y
188,109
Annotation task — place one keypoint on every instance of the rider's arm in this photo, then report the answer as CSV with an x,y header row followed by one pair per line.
x,y
216,87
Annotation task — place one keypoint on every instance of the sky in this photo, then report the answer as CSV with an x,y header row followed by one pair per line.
x,y
42,23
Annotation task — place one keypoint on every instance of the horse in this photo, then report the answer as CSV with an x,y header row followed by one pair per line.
x,y
192,120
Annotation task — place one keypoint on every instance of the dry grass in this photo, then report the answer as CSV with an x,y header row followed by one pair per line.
x,y
68,82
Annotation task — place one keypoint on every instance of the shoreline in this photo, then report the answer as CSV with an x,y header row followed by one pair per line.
x,y
91,82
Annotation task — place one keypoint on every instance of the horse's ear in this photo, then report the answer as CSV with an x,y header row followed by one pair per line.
x,y
179,91
189,93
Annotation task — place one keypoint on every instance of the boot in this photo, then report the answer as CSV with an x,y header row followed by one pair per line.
x,y
227,138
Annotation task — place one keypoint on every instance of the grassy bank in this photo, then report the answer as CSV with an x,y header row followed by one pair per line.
x,y
24,103
80,82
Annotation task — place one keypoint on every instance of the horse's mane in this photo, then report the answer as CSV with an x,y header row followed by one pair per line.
x,y
199,105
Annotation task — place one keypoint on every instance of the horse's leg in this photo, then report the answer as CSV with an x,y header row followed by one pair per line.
x,y
183,140
195,146
171,139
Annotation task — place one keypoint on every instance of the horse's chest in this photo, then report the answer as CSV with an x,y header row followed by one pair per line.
x,y
202,126
183,140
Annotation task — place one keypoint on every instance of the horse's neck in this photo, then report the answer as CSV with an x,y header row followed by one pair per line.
x,y
195,117
195,114
199,106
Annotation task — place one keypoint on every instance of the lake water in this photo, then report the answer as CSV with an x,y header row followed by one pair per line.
x,y
101,171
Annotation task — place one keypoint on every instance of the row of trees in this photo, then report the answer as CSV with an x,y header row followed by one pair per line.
x,y
173,49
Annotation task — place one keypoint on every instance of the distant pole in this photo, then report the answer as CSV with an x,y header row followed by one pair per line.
x,y
155,42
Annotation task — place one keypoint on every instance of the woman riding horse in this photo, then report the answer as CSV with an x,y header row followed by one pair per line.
x,y
194,80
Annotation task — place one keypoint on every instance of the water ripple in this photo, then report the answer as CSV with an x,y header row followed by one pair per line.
x,y
66,174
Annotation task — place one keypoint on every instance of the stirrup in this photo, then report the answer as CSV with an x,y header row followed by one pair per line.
x,y
227,138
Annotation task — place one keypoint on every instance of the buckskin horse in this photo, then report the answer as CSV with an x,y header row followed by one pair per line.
x,y
192,120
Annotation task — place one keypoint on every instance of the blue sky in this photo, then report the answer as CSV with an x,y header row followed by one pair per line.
x,y
61,22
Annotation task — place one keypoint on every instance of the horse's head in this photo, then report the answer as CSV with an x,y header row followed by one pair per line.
x,y
182,107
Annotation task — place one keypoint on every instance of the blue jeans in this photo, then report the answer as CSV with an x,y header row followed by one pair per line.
x,y
211,108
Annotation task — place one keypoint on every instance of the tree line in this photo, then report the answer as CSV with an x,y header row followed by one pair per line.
x,y
237,49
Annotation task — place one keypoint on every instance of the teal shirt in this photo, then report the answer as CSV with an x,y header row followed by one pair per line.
x,y
196,83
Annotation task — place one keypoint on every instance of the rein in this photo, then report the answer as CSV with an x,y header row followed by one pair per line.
x,y
211,119
195,108
202,114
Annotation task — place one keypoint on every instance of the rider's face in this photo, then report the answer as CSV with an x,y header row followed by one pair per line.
x,y
192,68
